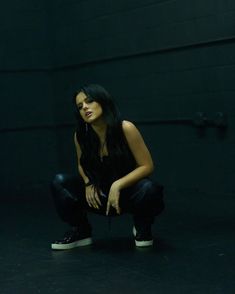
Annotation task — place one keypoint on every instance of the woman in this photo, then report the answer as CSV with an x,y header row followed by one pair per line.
x,y
114,164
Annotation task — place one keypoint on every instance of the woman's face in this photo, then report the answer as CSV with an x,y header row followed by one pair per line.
x,y
89,109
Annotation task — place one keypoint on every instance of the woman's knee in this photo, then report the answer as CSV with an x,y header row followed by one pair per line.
x,y
57,186
62,181
146,186
61,191
67,187
155,197
59,179
151,191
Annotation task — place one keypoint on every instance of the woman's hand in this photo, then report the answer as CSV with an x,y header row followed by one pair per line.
x,y
113,198
92,197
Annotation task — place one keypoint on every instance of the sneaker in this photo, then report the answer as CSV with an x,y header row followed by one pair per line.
x,y
73,239
143,238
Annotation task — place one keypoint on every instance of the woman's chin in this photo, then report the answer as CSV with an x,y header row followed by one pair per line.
x,y
89,120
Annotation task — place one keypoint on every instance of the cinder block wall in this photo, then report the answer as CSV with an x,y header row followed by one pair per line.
x,y
163,61
28,152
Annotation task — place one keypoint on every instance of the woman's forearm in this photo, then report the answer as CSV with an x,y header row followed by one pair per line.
x,y
82,174
134,176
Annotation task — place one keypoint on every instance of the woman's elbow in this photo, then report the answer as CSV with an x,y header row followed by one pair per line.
x,y
149,169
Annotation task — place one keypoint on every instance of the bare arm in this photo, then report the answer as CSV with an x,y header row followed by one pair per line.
x,y
141,154
92,196
144,165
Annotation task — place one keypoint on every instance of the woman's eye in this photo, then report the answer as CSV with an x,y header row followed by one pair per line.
x,y
89,100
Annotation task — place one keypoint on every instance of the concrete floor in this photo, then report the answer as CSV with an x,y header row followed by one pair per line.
x,y
193,251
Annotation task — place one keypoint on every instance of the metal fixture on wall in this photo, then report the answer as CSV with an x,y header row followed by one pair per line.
x,y
219,120
200,120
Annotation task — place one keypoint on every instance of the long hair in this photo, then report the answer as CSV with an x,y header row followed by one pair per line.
x,y
118,151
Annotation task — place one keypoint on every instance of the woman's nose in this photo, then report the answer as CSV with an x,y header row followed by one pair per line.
x,y
84,106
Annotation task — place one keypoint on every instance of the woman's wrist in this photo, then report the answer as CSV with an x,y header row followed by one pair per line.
x,y
117,185
87,184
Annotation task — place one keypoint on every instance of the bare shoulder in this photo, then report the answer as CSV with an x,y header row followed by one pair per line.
x,y
130,130
136,143
128,126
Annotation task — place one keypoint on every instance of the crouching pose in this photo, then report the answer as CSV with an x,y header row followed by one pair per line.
x,y
114,166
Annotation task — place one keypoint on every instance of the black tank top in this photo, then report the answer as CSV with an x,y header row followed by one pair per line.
x,y
108,174
104,171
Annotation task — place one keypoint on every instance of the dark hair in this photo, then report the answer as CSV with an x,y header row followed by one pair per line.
x,y
118,150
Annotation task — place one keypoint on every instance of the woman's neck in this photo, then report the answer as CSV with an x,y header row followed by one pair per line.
x,y
100,129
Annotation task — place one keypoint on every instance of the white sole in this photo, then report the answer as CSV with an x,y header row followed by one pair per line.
x,y
142,243
80,243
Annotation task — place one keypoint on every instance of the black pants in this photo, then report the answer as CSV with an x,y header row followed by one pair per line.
x,y
144,201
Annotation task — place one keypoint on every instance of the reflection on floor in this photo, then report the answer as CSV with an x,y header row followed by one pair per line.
x,y
193,251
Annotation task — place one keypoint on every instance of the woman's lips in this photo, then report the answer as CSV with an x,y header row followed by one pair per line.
x,y
88,113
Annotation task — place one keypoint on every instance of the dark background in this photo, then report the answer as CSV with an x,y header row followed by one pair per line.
x,y
170,65
167,63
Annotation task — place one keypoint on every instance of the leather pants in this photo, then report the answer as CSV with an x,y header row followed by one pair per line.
x,y
144,200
